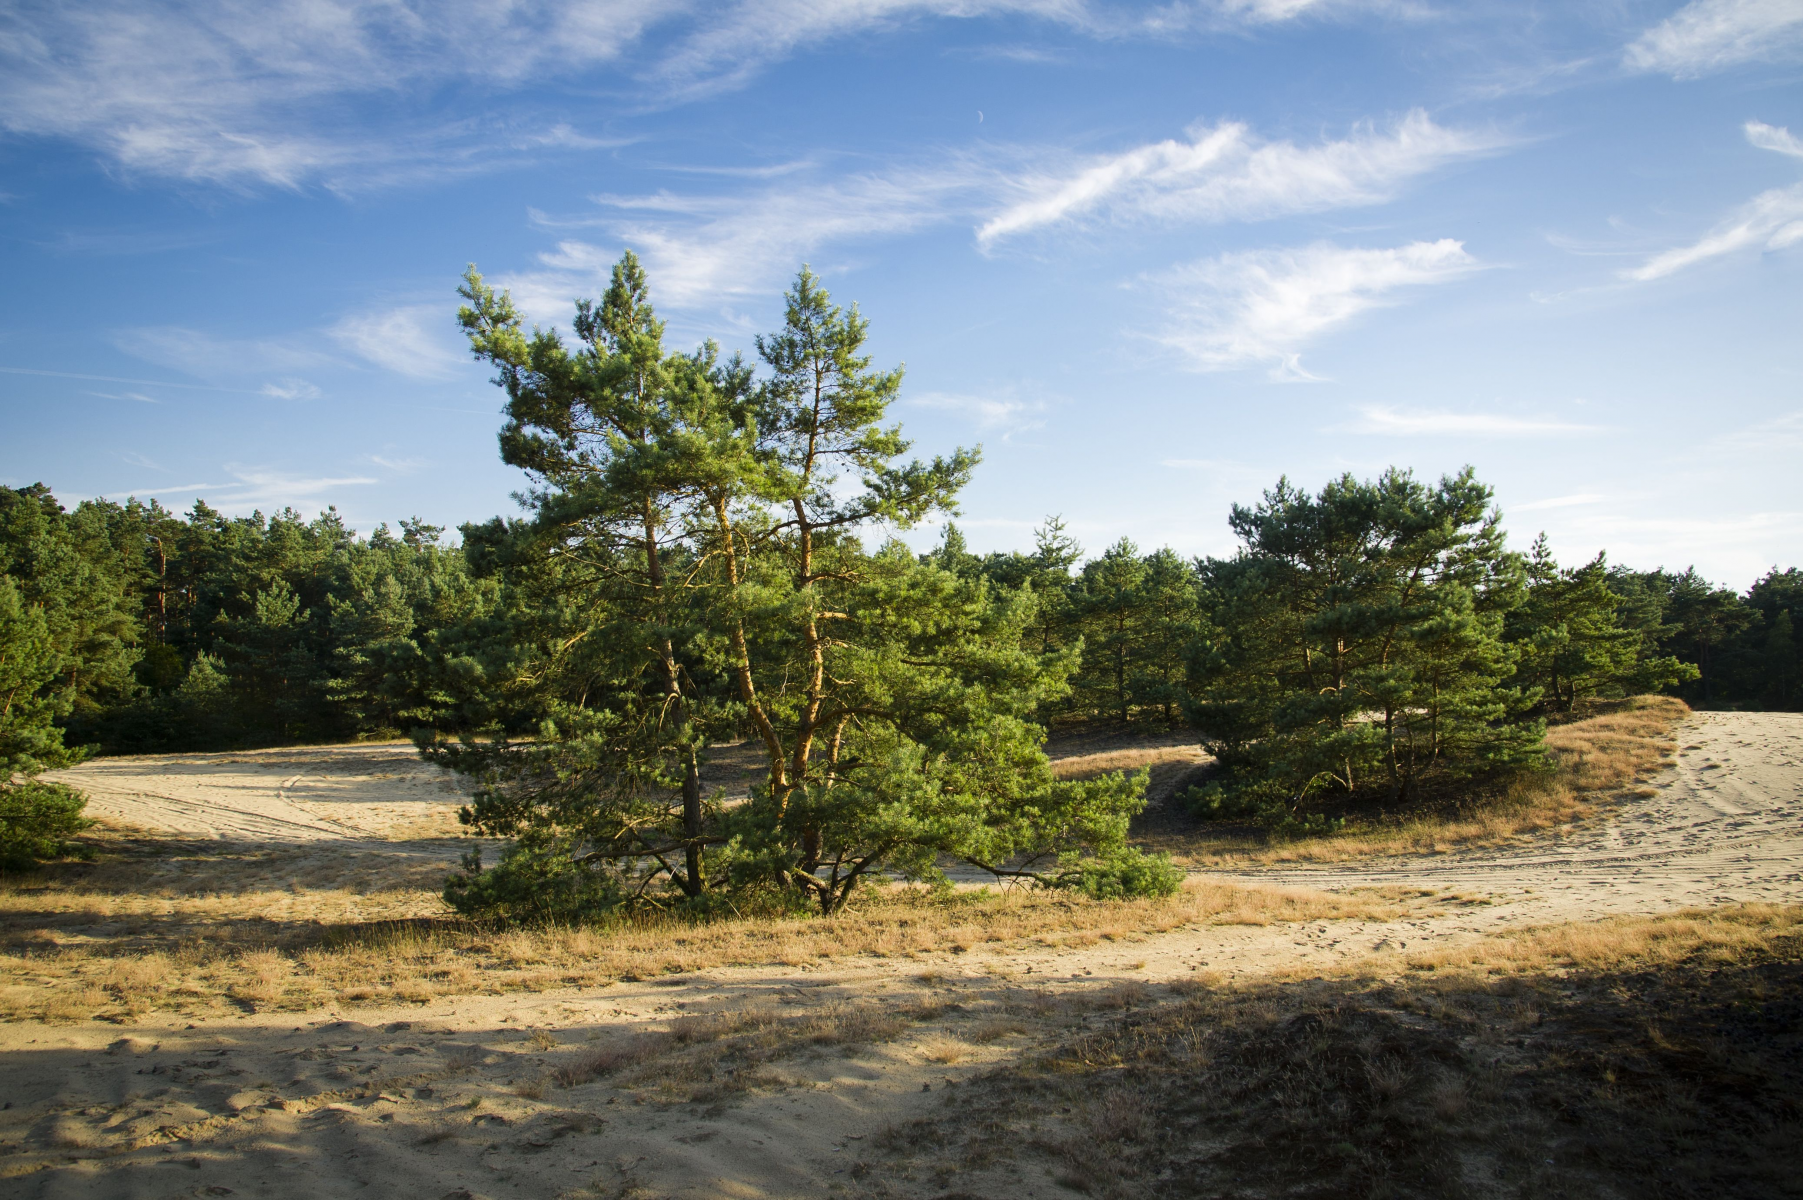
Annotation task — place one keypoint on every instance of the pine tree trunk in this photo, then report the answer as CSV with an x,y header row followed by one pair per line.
x,y
691,824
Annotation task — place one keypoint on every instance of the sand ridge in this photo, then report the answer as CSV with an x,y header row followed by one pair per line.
x,y
1724,825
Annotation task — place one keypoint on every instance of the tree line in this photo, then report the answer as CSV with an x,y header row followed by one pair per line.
x,y
708,555
166,632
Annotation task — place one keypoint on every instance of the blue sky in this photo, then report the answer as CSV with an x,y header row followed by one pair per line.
x,y
1152,257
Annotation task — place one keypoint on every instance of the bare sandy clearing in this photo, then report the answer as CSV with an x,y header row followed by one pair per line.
x,y
755,1081
300,794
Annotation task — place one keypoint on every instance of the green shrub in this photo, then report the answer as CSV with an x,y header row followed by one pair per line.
x,y
1123,873
1260,804
535,882
1212,802
36,822
541,880
1301,825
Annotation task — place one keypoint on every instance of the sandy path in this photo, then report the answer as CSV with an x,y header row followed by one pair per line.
x,y
425,1101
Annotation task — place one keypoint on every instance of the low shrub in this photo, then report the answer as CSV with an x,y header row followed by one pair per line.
x,y
1124,874
535,882
36,822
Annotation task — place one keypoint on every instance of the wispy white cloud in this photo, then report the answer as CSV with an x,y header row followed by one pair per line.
x,y
211,357
159,383
1773,137
1015,53
1272,11
1738,545
993,411
267,487
232,93
418,340
1262,306
1224,172
707,250
564,136
1426,423
1710,35
352,92
290,389
1781,435
1572,501
736,42
769,171
257,487
1216,15
140,397
1771,220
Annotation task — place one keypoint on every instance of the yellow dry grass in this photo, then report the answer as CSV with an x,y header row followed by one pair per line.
x,y
67,954
1088,766
1594,759
1709,937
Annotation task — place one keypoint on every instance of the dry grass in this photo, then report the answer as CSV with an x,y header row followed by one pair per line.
x,y
1088,766
69,953
1703,937
1596,759
1631,1057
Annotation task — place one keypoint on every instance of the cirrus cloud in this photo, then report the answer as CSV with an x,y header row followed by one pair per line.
x,y
416,340
1380,419
1239,310
707,249
354,93
1771,220
1710,35
1225,172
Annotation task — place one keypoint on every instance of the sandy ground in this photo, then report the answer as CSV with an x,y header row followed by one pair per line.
x,y
313,793
447,1100
1725,826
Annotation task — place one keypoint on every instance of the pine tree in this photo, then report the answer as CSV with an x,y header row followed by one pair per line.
x,y
1356,644
1170,621
1708,620
712,525
1110,602
30,663
618,433
953,554
274,673
1571,641
68,569
1781,665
